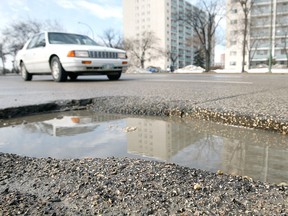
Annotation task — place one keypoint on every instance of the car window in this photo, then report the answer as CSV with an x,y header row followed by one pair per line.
x,y
64,38
33,42
40,41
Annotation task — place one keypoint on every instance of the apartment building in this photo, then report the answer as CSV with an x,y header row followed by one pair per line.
x,y
267,34
160,18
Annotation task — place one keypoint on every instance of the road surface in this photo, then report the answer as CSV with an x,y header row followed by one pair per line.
x,y
253,94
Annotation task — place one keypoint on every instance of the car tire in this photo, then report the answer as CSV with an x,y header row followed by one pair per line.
x,y
73,76
114,76
58,72
24,73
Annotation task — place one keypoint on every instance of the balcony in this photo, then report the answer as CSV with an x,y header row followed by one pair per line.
x,y
261,11
282,11
261,14
262,2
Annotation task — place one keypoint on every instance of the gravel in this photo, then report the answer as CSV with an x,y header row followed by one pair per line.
x,y
122,186
158,106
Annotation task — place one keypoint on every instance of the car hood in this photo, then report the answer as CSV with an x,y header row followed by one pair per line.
x,y
87,47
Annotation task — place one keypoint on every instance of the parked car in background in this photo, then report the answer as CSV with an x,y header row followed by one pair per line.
x,y
68,55
153,69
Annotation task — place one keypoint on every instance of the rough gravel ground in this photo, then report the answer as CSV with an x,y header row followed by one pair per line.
x,y
30,186
183,108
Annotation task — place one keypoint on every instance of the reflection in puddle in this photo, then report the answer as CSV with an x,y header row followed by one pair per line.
x,y
198,144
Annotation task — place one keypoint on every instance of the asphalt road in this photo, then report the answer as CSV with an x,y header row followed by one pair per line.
x,y
248,93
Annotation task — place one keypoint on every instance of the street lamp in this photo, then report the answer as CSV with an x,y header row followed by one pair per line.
x,y
89,28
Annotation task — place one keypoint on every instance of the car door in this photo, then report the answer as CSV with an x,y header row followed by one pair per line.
x,y
40,55
28,55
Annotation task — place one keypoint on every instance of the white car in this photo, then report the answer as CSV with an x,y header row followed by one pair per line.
x,y
68,55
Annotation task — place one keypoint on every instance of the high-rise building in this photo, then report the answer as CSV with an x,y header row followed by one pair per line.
x,y
160,17
267,34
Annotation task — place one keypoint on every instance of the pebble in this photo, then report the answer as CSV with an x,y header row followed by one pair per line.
x,y
184,109
123,186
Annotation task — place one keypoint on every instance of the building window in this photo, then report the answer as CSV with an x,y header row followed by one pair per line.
x,y
232,63
234,32
262,52
233,53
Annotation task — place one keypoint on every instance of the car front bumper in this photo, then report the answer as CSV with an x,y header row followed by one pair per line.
x,y
88,65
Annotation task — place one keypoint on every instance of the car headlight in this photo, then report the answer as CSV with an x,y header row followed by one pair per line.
x,y
122,55
78,53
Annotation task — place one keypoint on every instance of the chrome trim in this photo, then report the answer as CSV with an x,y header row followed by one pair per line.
x,y
103,54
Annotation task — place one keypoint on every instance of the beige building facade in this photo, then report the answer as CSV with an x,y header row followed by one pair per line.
x,y
159,17
267,34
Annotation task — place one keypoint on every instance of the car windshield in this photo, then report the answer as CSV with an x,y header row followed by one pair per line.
x,y
64,38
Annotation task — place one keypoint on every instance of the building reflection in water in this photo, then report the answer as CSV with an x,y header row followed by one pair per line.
x,y
259,154
199,144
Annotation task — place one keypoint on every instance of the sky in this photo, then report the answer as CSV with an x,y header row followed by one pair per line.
x,y
76,16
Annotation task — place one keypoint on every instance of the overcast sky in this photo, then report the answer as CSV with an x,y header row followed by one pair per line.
x,y
98,14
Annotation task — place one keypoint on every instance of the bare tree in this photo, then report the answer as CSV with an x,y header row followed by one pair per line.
x,y
142,49
173,57
110,38
15,36
2,57
246,6
199,58
204,21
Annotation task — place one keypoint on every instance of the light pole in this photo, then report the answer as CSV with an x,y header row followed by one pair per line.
x,y
89,28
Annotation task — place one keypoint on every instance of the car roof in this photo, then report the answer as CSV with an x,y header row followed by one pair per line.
x,y
59,32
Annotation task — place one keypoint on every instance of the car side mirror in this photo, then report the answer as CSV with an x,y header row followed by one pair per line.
x,y
42,43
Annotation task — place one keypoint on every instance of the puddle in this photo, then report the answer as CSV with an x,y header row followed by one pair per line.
x,y
193,143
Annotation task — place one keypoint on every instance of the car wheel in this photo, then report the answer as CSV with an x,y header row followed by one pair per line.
x,y
73,77
114,76
58,72
24,73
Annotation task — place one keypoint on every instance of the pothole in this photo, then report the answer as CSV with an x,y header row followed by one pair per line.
x,y
205,145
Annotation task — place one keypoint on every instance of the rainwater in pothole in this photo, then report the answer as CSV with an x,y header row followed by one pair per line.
x,y
199,144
